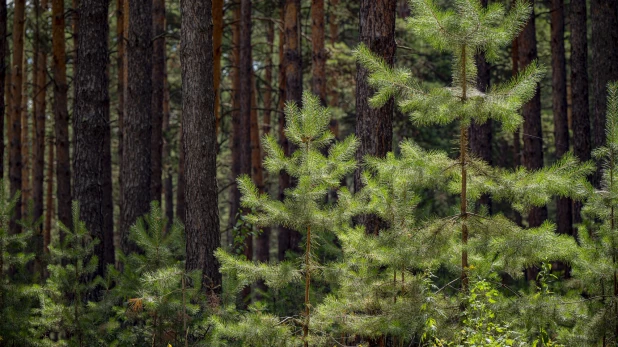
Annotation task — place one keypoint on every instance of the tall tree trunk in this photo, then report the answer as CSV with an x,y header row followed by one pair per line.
x,y
122,25
181,210
559,98
257,172
158,87
4,52
374,126
75,27
242,136
318,56
61,114
480,134
604,17
533,132
92,165
25,139
137,128
40,89
168,186
262,243
292,58
579,88
263,240
202,225
283,234
239,135
49,196
217,40
15,159
333,94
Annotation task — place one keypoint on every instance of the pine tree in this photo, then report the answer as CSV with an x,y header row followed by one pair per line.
x,y
463,32
596,268
481,243
154,295
65,315
14,294
304,209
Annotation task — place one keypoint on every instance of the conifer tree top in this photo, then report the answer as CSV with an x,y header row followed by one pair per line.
x,y
467,30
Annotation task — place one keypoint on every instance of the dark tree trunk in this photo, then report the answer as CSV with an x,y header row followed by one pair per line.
x,y
480,134
239,134
374,127
15,158
122,15
217,39
604,17
61,115
246,114
38,169
559,98
579,88
181,209
262,244
25,138
136,157
202,225
333,94
168,185
3,67
49,201
75,27
92,162
533,134
158,87
289,239
318,56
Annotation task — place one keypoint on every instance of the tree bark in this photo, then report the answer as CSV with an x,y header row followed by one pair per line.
x,y
49,196
168,186
318,56
158,87
262,244
25,139
604,17
92,162
239,134
75,27
137,128
533,132
559,100
122,15
3,69
217,40
61,115
333,94
374,126
202,225
257,173
292,65
243,136
40,89
15,159
579,89
181,209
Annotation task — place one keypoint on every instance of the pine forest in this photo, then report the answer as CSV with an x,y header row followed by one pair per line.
x,y
295,173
